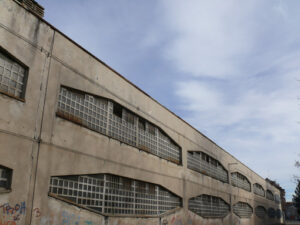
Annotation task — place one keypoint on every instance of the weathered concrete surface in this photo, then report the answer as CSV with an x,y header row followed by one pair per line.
x,y
37,145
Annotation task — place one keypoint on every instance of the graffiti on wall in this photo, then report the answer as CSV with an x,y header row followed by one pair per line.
x,y
10,214
67,218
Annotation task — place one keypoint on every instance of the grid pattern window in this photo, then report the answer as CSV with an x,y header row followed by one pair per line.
x,y
270,195
243,210
278,213
111,119
277,198
271,213
205,164
147,137
83,109
5,178
167,149
258,189
209,206
13,77
113,195
239,180
122,124
260,212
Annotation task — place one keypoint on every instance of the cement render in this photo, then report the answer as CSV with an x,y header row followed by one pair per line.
x,y
37,145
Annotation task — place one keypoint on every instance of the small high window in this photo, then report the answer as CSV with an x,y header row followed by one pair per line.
x,y
5,178
13,76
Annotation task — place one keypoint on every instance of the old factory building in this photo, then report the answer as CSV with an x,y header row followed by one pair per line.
x,y
80,144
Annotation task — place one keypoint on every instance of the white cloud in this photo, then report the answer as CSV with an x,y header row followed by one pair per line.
x,y
240,65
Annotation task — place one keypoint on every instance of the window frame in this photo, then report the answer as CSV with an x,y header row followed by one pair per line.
x,y
9,176
26,75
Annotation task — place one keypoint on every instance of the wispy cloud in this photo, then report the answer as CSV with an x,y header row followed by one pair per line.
x,y
240,65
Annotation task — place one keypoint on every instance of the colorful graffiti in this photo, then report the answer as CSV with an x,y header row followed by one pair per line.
x,y
10,214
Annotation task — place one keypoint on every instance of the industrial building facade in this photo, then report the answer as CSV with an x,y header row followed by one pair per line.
x,y
79,144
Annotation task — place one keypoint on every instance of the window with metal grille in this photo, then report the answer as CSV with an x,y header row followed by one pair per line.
x,y
114,195
258,189
271,213
277,198
205,164
209,206
13,76
5,178
239,180
243,210
270,195
260,212
278,213
112,119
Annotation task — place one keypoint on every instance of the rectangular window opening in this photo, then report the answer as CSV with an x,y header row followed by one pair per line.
x,y
5,178
117,110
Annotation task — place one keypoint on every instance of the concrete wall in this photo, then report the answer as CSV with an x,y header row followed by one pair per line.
x,y
37,144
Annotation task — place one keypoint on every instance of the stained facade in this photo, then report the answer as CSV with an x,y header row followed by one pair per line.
x,y
80,144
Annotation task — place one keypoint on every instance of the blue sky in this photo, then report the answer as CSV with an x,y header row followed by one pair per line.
x,y
231,70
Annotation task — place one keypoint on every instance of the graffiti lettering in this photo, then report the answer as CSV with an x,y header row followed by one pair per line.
x,y
11,210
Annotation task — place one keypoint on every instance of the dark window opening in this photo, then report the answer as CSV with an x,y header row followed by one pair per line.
x,y
5,178
142,124
117,111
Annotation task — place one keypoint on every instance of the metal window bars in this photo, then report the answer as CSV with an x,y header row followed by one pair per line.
x,y
209,206
207,165
12,77
243,210
270,195
239,180
260,212
114,195
258,189
111,119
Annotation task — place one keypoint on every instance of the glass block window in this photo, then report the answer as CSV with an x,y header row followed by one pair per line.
x,y
122,124
258,189
147,137
239,180
114,195
277,198
205,164
243,210
271,213
13,76
278,213
83,109
112,119
260,212
209,206
167,149
5,178
270,195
